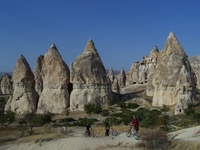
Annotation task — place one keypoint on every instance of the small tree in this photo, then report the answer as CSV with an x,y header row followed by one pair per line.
x,y
7,119
29,117
189,110
97,109
88,108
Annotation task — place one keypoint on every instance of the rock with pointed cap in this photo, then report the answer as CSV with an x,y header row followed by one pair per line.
x,y
88,76
6,84
111,75
121,77
54,97
24,98
173,79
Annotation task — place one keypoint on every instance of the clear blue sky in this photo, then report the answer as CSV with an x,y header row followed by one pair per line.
x,y
122,30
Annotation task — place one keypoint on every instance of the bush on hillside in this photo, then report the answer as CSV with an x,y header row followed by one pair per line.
x,y
7,118
92,108
154,139
132,105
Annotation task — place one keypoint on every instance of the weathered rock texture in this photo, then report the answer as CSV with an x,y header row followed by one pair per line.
x,y
111,75
54,97
6,84
24,98
121,77
173,81
139,71
89,79
195,64
38,74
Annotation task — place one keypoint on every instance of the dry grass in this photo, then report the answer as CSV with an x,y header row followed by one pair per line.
x,y
8,135
100,130
185,145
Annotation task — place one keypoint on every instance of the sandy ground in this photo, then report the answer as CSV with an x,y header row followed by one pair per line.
x,y
76,141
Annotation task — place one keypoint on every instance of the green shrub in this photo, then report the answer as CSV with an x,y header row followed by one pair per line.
x,y
189,110
67,112
121,104
111,102
7,118
92,108
41,119
84,121
113,121
105,112
132,105
66,120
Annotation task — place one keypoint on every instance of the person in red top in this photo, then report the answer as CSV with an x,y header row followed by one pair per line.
x,y
135,123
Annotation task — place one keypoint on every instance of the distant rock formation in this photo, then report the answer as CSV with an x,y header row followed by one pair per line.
x,y
139,71
173,81
24,98
121,78
111,75
89,79
6,84
38,74
54,96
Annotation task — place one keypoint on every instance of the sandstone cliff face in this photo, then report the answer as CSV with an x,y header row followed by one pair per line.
x,y
6,84
195,64
139,71
88,76
173,80
24,98
38,74
54,97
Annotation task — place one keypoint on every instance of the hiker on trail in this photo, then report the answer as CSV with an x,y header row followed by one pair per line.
x,y
107,128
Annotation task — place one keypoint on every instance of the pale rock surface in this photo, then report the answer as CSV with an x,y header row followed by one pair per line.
x,y
139,71
54,97
121,77
6,84
133,75
195,64
89,79
173,80
24,98
111,75
38,74
115,86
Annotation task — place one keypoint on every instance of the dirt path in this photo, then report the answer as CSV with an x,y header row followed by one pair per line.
x,y
76,141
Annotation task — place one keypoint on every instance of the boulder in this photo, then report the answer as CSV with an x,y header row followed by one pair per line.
x,y
54,97
6,84
24,98
89,79
173,79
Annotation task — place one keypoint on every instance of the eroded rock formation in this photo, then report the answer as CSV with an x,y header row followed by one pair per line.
x,y
6,84
139,71
54,97
173,81
38,74
24,98
89,79
121,78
